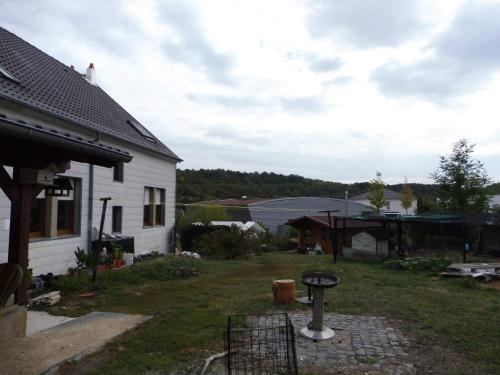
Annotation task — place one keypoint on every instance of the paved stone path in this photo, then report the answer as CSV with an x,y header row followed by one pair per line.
x,y
362,344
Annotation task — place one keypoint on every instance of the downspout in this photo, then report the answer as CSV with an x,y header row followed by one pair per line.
x,y
90,211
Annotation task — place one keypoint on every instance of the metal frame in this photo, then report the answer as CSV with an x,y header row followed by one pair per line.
x,y
260,345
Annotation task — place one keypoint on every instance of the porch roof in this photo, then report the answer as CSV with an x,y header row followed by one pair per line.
x,y
28,145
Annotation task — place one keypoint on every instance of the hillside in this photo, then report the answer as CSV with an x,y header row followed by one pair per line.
x,y
205,184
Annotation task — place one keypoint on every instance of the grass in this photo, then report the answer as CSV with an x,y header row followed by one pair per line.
x,y
190,313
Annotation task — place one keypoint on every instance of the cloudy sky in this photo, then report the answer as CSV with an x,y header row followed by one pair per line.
x,y
335,90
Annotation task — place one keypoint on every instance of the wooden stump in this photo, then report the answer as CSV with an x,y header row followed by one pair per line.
x,y
284,291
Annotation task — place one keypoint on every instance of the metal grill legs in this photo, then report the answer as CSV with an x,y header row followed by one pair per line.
x,y
315,330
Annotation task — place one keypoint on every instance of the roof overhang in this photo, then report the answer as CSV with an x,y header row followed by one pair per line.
x,y
34,146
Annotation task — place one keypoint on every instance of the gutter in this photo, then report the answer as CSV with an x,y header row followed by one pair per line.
x,y
51,137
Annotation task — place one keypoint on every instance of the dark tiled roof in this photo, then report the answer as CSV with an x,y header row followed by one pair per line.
x,y
388,194
47,85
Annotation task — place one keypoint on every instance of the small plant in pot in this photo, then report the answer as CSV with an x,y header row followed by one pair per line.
x,y
82,260
118,261
104,262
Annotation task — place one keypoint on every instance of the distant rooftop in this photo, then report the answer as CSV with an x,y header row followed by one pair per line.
x,y
388,194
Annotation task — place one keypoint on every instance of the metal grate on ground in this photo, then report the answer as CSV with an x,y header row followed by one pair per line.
x,y
260,345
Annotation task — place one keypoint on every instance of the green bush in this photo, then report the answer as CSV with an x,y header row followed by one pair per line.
x,y
191,233
223,244
165,268
432,264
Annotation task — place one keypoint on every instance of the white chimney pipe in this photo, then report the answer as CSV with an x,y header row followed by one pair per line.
x,y
90,76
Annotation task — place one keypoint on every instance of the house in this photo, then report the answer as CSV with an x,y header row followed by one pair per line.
x,y
393,206
275,213
47,99
314,230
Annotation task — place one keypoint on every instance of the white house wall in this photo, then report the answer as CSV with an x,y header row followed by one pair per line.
x,y
56,255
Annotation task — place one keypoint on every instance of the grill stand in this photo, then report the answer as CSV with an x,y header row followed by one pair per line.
x,y
315,330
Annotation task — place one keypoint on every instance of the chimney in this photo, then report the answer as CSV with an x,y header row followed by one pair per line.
x,y
90,76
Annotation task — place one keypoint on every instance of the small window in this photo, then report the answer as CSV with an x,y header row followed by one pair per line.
x,y
118,172
142,130
117,219
6,74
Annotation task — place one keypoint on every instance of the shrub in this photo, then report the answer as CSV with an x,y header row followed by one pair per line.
x,y
165,268
432,264
223,244
191,233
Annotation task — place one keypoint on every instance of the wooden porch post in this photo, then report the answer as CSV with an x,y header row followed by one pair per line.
x,y
19,234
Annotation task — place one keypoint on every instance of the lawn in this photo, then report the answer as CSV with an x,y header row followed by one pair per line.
x,y
459,320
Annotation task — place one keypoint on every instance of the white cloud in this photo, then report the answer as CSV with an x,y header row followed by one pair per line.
x,y
283,87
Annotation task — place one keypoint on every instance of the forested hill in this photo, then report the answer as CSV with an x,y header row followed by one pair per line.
x,y
205,184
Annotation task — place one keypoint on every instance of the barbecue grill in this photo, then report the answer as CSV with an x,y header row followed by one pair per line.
x,y
318,281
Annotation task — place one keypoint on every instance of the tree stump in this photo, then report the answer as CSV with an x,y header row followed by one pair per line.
x,y
284,291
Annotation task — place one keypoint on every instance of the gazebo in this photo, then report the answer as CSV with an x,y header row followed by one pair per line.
x,y
36,154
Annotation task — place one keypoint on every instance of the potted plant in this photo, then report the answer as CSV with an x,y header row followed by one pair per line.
x,y
104,261
82,260
118,261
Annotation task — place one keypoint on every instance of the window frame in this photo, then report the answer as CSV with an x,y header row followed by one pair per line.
x,y
152,207
117,214
118,172
49,216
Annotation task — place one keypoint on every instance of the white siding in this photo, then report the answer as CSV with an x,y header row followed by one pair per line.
x,y
145,169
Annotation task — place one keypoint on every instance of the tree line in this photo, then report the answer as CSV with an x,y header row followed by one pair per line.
x,y
207,184
461,185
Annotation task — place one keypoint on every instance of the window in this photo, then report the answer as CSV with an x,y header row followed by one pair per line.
x,y
148,206
37,216
160,207
6,74
118,172
142,130
154,206
53,216
117,219
65,217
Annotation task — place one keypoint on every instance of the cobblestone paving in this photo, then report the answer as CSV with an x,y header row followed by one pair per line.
x,y
362,344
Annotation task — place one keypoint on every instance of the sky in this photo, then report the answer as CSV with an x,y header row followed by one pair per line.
x,y
335,90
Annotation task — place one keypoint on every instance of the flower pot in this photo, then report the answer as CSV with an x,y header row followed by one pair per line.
x,y
102,267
